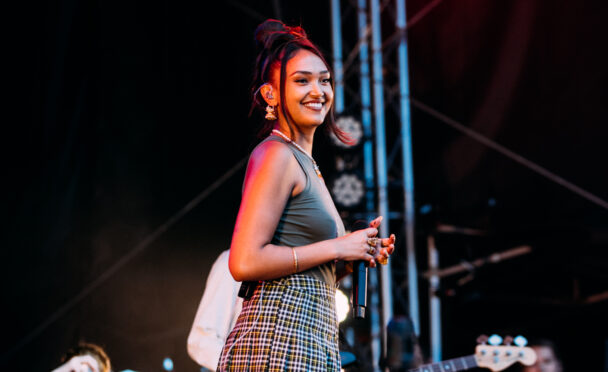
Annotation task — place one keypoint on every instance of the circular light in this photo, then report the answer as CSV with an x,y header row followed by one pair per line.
x,y
352,128
348,190
342,306
168,364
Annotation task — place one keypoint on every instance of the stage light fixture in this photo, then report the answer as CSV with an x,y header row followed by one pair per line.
x,y
352,127
348,190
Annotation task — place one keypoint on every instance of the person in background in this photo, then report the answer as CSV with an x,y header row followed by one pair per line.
x,y
85,357
216,314
403,348
547,357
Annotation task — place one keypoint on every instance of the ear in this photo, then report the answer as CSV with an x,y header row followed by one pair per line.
x,y
269,94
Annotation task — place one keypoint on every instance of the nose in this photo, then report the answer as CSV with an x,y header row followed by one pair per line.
x,y
316,90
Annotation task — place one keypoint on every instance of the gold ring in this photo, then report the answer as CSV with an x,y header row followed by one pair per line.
x,y
372,242
371,250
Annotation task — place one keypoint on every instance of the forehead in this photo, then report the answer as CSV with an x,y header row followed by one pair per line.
x,y
305,60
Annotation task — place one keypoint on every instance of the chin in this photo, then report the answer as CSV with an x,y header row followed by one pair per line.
x,y
313,123
316,120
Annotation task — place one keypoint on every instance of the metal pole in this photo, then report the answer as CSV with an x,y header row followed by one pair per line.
x,y
336,25
434,301
368,167
408,167
381,172
366,114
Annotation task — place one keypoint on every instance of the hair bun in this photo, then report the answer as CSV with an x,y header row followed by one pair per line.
x,y
272,30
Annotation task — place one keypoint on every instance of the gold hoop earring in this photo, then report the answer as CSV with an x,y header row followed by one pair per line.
x,y
270,113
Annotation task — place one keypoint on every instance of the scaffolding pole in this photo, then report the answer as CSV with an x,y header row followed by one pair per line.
x,y
408,167
336,26
366,104
381,171
368,167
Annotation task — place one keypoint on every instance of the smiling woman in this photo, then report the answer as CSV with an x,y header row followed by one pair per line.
x,y
289,244
308,91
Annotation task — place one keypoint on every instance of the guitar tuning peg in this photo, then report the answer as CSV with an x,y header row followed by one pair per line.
x,y
520,341
508,340
495,340
482,339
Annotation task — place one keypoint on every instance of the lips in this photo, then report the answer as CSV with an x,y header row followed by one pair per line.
x,y
314,105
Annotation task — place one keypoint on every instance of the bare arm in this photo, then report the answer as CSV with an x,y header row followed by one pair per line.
x,y
273,175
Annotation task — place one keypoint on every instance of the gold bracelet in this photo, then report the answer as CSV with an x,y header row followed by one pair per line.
x,y
295,260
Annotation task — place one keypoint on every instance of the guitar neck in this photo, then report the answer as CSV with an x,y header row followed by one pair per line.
x,y
451,365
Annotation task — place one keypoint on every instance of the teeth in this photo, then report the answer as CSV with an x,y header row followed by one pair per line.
x,y
314,105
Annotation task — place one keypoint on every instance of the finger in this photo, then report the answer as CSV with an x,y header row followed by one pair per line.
x,y
390,249
372,262
376,222
370,250
371,232
388,241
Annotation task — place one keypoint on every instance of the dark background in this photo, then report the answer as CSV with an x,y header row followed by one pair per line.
x,y
126,111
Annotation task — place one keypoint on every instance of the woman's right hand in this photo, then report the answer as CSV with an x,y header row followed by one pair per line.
x,y
354,246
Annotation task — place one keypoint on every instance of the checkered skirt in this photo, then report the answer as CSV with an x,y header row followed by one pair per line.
x,y
289,324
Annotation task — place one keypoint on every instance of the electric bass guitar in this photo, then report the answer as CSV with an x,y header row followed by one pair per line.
x,y
495,358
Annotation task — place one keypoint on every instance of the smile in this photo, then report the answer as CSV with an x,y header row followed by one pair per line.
x,y
314,105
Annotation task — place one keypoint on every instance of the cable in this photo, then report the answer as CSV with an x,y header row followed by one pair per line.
x,y
410,23
121,262
510,154
395,36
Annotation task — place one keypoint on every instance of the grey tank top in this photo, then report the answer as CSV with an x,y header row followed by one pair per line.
x,y
309,217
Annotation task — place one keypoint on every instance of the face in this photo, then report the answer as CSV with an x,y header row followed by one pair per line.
x,y
308,91
546,361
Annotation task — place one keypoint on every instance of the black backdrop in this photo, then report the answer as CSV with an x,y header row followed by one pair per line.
x,y
128,110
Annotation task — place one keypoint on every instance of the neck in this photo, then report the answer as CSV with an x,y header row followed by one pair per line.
x,y
304,138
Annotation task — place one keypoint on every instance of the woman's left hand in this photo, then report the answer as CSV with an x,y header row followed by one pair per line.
x,y
385,246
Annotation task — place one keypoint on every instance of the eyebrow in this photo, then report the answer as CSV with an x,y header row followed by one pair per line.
x,y
309,73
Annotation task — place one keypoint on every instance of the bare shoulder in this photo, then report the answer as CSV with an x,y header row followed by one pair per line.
x,y
270,155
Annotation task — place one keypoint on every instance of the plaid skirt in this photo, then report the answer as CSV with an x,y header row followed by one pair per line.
x,y
289,324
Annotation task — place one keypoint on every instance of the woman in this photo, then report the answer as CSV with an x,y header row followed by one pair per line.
x,y
288,235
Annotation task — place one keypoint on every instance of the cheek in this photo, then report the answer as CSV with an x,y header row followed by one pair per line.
x,y
329,97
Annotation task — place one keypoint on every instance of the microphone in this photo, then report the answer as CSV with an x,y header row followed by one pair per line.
x,y
359,279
